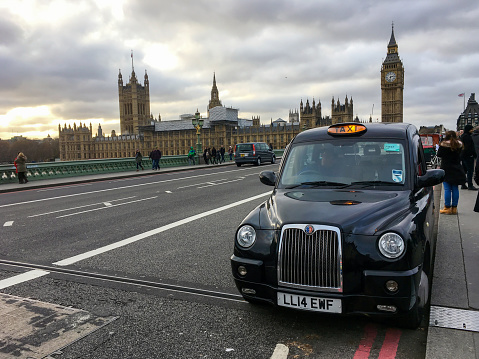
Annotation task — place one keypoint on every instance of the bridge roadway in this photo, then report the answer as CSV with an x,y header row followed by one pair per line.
x,y
145,256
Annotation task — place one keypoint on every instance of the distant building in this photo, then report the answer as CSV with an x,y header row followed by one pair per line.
x,y
222,126
470,116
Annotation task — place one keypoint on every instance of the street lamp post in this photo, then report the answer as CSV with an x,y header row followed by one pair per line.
x,y
198,124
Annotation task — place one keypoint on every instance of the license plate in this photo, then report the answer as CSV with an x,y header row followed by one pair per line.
x,y
242,155
318,304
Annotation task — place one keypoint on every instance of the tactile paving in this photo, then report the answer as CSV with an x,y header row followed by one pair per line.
x,y
452,318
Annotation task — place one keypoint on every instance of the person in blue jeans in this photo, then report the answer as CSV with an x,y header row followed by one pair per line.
x,y
450,153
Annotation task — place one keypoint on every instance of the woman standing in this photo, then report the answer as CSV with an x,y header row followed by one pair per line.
x,y
21,165
450,151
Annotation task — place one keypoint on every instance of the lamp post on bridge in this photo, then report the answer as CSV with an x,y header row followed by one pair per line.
x,y
198,124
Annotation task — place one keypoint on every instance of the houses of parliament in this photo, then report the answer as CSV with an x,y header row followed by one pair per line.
x,y
222,126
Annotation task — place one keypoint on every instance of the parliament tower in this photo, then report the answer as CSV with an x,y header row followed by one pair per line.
x,y
392,84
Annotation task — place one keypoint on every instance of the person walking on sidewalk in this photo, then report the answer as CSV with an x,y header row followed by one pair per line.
x,y
450,153
155,156
468,155
138,158
191,156
476,178
21,166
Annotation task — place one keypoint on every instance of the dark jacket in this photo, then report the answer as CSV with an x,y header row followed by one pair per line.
x,y
451,164
155,154
469,150
475,139
21,164
138,157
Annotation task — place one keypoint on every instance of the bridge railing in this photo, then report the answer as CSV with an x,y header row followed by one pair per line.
x,y
46,170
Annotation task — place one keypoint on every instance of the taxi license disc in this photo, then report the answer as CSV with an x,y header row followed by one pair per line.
x,y
329,305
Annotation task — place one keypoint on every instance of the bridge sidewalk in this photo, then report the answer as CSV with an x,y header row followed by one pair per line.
x,y
12,187
454,320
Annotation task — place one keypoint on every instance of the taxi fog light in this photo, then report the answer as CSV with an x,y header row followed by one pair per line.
x,y
387,308
391,245
242,270
248,291
392,286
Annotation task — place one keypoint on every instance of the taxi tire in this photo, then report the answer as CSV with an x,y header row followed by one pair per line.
x,y
258,162
273,160
413,319
238,164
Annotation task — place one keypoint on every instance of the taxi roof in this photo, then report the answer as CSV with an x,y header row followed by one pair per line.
x,y
373,130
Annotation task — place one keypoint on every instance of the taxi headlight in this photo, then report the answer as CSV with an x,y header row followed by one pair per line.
x,y
246,236
391,245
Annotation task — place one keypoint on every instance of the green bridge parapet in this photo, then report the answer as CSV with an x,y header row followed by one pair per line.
x,y
48,170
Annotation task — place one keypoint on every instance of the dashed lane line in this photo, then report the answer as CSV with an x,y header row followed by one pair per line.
x,y
8,224
78,207
106,206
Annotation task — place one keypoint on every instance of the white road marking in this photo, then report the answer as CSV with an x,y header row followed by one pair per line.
x,y
86,205
209,184
66,186
280,352
112,205
168,192
33,274
152,232
108,204
8,224
117,188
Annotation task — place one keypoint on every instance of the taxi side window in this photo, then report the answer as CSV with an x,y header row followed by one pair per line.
x,y
421,162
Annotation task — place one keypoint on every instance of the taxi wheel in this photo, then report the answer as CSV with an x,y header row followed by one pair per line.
x,y
258,162
413,319
238,164
273,160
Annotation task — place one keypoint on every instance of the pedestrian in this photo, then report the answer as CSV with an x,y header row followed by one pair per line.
x,y
205,155
191,156
222,152
270,146
476,178
213,155
230,152
21,167
467,156
155,156
475,139
138,158
450,153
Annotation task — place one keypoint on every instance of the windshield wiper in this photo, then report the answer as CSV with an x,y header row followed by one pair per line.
x,y
374,183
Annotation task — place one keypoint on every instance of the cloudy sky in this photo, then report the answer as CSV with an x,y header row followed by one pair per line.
x,y
59,60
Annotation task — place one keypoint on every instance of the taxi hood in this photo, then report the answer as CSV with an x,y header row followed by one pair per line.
x,y
357,212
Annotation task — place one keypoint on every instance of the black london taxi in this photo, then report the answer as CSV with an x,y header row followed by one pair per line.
x,y
348,228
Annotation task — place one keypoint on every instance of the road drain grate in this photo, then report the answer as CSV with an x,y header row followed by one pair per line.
x,y
452,318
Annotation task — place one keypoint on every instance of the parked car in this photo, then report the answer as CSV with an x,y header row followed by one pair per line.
x,y
253,152
348,228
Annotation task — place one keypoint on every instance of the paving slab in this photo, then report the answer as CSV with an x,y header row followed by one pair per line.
x,y
32,329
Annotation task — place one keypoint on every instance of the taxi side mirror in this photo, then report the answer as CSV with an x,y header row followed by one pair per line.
x,y
431,178
268,178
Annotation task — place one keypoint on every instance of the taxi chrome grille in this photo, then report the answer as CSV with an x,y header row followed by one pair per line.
x,y
310,261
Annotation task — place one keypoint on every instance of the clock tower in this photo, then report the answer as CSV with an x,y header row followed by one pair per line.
x,y
392,84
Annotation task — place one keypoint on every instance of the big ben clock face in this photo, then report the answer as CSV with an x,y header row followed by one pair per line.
x,y
390,76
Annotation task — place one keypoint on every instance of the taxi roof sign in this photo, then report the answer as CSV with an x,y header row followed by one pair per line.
x,y
345,129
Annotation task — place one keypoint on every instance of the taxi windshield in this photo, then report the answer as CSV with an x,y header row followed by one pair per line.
x,y
345,163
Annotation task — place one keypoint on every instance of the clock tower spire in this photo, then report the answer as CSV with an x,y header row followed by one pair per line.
x,y
392,84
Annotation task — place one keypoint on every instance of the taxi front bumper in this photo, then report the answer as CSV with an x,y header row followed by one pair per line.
x,y
373,298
